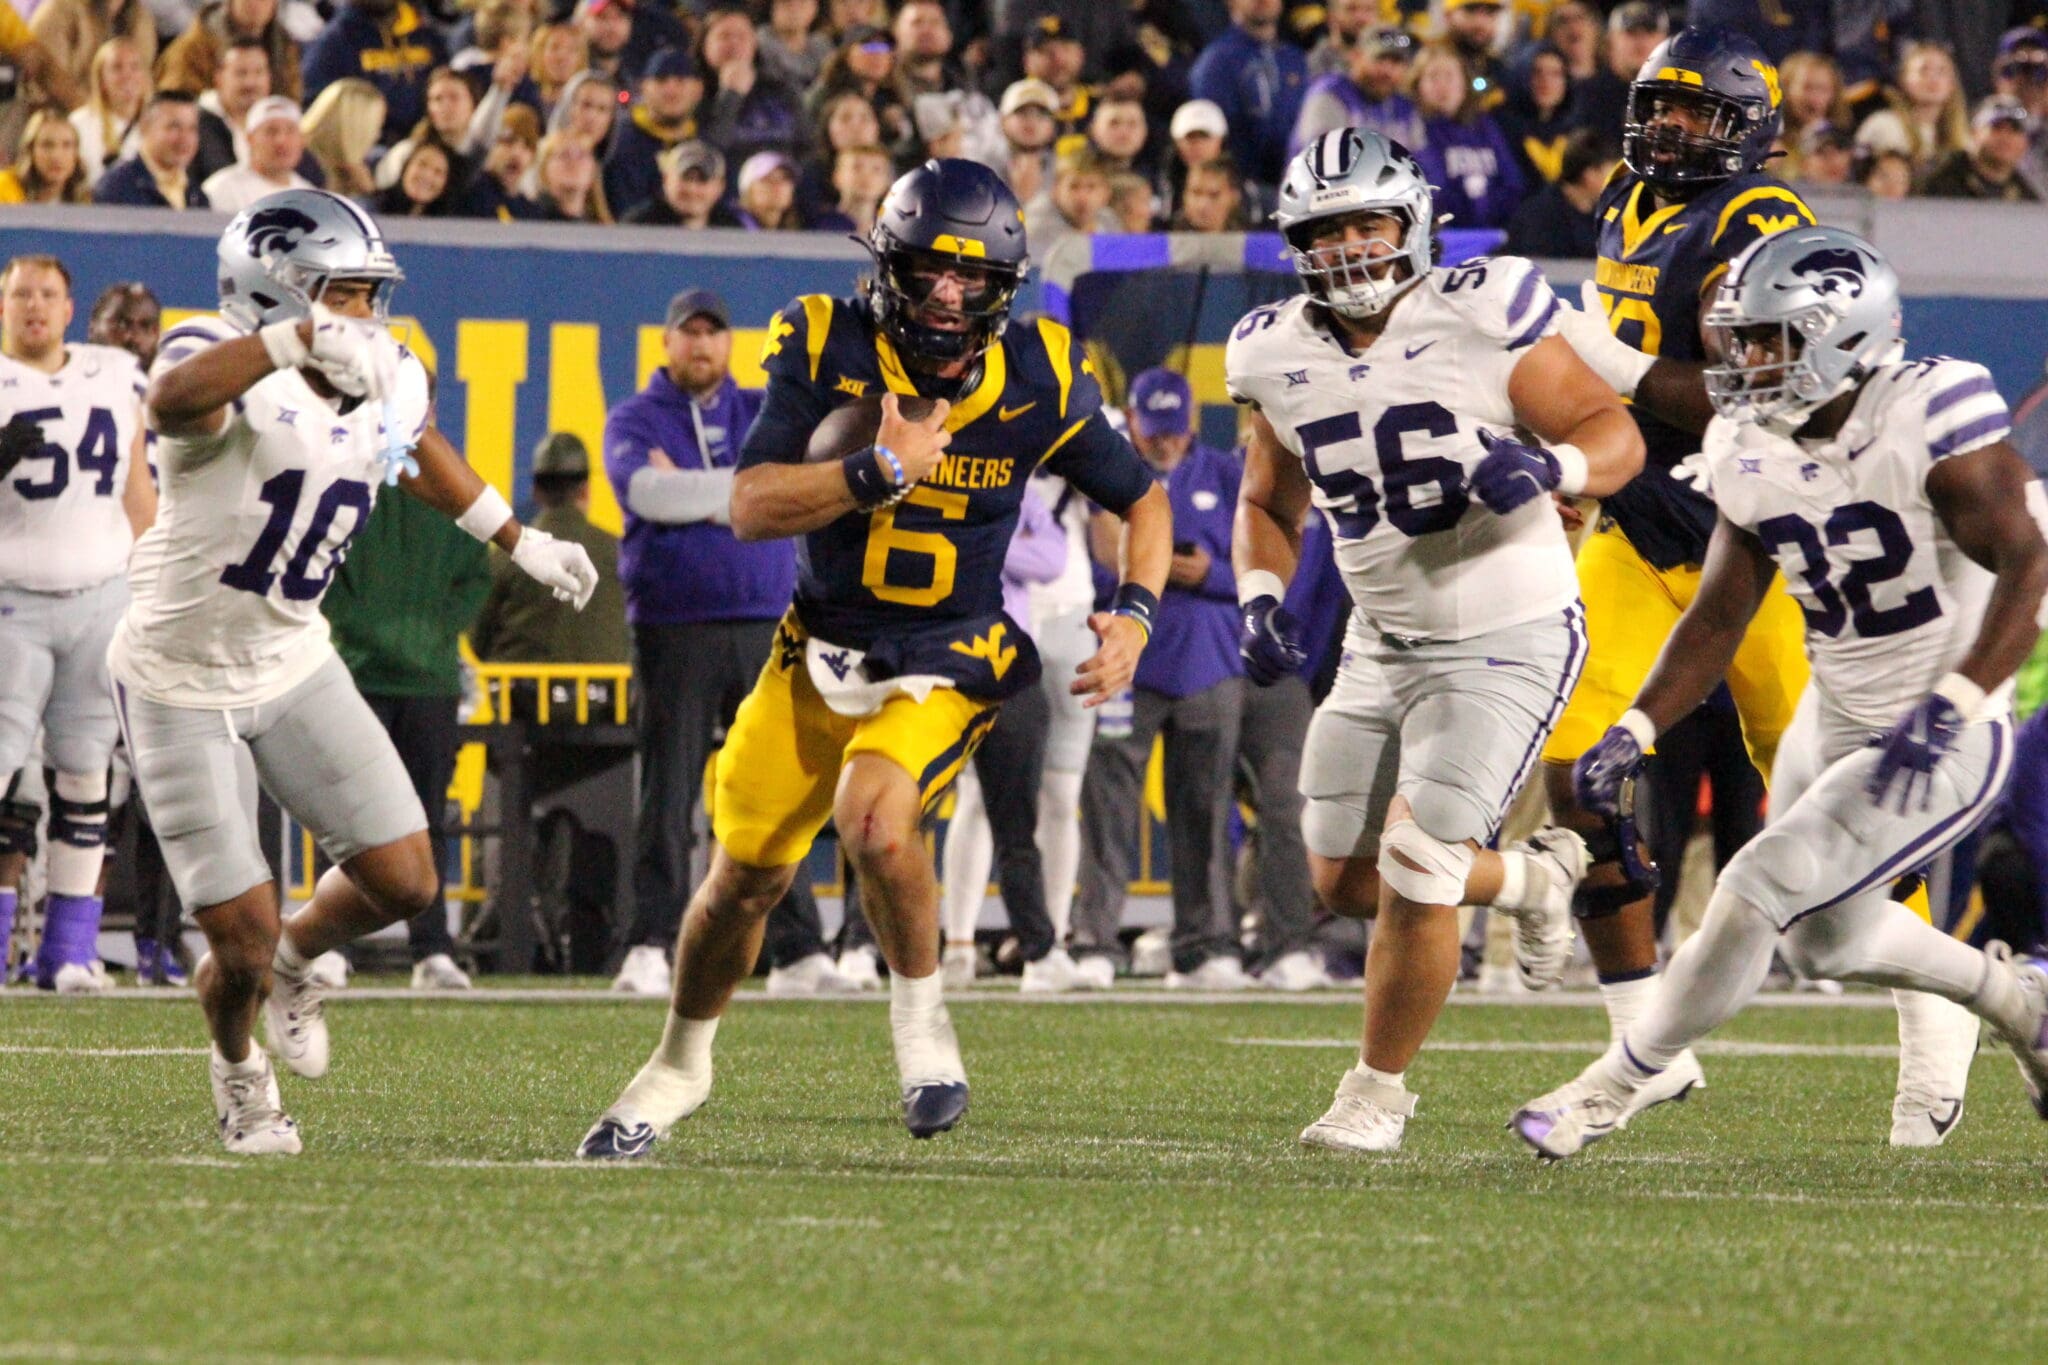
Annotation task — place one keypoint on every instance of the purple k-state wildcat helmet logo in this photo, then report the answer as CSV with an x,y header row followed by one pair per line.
x,y
1831,270
277,231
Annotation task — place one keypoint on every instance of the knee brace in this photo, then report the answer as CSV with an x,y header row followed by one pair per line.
x,y
78,809
18,820
1423,868
1616,845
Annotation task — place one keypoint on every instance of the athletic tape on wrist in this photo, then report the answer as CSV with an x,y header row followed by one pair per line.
x,y
1259,583
285,347
486,516
1571,469
1963,694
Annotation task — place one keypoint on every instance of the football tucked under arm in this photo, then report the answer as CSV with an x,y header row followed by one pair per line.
x,y
852,426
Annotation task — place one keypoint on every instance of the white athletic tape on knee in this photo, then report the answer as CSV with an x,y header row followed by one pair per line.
x,y
1423,869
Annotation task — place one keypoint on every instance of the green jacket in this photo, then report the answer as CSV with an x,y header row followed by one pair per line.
x,y
403,597
522,623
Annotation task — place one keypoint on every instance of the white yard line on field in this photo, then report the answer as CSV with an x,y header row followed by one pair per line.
x,y
1887,1051
103,1051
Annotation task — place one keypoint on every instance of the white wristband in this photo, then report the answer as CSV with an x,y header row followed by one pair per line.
x,y
1259,583
1571,469
285,347
1964,694
1639,726
487,515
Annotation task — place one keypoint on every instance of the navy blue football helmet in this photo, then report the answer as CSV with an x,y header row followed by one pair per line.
x,y
953,213
1724,76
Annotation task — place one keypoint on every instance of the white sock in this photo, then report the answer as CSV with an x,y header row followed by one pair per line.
x,y
1514,881
289,957
969,853
911,997
926,1049
1390,1078
1710,978
251,1063
1059,845
1998,999
1625,1001
686,1044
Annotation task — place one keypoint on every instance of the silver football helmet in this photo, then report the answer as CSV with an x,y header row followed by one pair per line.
x,y
278,255
1347,171
1834,303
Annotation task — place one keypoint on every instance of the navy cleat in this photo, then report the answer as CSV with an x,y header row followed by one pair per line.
x,y
614,1139
934,1107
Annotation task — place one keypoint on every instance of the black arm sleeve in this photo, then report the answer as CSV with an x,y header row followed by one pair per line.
x,y
1102,465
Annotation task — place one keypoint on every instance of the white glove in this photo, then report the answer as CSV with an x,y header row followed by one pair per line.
x,y
562,565
1693,470
357,355
1620,366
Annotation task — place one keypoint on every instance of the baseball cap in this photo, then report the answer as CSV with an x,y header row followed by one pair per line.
x,y
599,6
760,164
1028,93
697,303
1198,116
1050,28
667,62
692,154
1825,134
270,107
1162,404
2002,109
1638,16
1387,40
867,35
2016,39
1468,4
561,454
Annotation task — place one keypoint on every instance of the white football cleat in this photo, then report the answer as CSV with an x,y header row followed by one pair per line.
x,y
1220,973
248,1108
1543,922
1054,974
1674,1082
295,1017
1937,1043
2029,1042
957,966
83,978
812,975
1094,973
1367,1116
330,972
1300,970
1152,953
859,968
1499,979
439,973
1571,1118
644,972
653,1102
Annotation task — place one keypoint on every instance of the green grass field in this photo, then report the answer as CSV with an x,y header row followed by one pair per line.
x,y
1126,1186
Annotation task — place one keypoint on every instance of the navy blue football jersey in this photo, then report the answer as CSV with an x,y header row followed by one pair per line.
x,y
938,554
1655,267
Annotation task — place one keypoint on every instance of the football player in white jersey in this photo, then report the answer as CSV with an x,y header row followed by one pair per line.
x,y
1907,529
1408,402
74,492
277,423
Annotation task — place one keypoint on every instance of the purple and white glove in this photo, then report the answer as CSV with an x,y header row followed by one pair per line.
x,y
1600,773
1913,748
1515,473
1271,641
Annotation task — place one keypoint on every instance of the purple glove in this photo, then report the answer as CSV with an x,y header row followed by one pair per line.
x,y
1513,473
1598,776
1908,754
1271,642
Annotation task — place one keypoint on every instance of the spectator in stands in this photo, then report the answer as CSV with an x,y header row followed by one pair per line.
x,y
924,48
500,59
791,47
1465,155
1258,81
692,190
1827,156
450,121
703,607
1134,202
559,53
1078,201
1213,199
1030,128
862,176
1197,131
622,36
1633,31
1574,30
2022,72
1118,133
1365,94
241,78
109,123
745,109
846,120
520,621
1188,690
768,194
1054,55
1538,117
1472,28
865,63
588,111
566,181
274,144
1813,95
39,79
1887,175
665,114
188,63
71,33
499,189
159,174
1990,169
47,169
938,126
426,186
387,43
1924,115
127,314
397,607
1346,22
1557,220
844,16
341,129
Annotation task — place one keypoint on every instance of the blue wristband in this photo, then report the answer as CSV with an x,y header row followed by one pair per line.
x,y
1136,601
888,457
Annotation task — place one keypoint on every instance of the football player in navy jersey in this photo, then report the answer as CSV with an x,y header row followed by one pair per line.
x,y
896,652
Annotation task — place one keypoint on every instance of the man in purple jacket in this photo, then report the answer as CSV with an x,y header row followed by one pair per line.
x,y
703,608
1189,687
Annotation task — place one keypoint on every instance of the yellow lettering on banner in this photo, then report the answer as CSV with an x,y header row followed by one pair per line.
x,y
747,345
490,360
653,354
576,404
411,333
